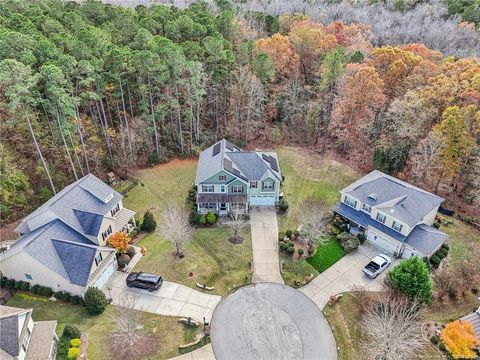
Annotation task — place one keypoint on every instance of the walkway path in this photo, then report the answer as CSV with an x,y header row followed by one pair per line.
x,y
264,227
204,353
344,275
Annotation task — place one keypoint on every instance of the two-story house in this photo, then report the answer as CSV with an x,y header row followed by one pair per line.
x,y
22,338
228,176
63,243
394,215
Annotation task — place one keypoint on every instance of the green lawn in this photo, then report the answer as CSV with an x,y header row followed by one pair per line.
x,y
166,330
209,256
327,254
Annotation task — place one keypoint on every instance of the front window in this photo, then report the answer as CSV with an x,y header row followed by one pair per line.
x,y
98,258
115,210
253,184
223,206
222,188
268,185
222,177
350,201
396,226
207,188
237,189
107,232
381,218
366,208
28,277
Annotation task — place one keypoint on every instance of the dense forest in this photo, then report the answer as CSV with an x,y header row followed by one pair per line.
x,y
93,87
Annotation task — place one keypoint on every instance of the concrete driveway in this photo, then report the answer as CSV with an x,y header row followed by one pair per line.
x,y
171,299
344,275
264,227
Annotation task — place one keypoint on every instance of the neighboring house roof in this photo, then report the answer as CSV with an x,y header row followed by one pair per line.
x,y
394,197
41,340
10,331
474,320
246,165
423,238
78,205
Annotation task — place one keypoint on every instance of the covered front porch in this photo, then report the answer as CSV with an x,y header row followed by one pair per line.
x,y
221,204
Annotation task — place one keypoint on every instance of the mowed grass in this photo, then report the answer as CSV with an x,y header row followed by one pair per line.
x,y
327,254
166,331
309,179
211,258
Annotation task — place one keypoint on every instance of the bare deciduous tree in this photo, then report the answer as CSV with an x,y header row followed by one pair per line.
x,y
315,222
176,226
393,328
236,220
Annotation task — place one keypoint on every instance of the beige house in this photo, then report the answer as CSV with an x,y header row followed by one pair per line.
x,y
394,215
22,338
63,244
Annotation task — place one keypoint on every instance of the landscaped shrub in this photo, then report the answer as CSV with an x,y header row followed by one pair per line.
x,y
123,260
349,242
435,260
283,205
296,233
211,218
436,225
131,251
76,300
63,296
3,282
300,252
290,250
435,339
361,238
289,233
75,342
71,332
412,278
95,301
445,246
203,220
22,285
310,249
73,352
442,347
45,291
452,292
149,224
10,284
281,236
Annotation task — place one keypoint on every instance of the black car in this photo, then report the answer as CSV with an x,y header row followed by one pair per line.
x,y
144,281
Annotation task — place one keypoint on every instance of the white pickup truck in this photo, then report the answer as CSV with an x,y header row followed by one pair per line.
x,y
377,265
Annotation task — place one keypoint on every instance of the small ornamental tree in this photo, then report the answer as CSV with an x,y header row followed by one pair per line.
x,y
149,224
460,339
119,241
95,301
412,278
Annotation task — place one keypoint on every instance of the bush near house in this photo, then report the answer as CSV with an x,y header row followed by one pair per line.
x,y
95,301
71,332
149,224
412,278
283,205
348,241
73,353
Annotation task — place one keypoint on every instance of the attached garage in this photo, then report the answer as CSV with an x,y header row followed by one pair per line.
x,y
107,273
382,243
262,200
409,252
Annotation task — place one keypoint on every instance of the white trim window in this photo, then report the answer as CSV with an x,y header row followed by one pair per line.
x,y
107,232
366,208
222,177
222,188
98,258
115,209
253,184
268,185
237,189
350,201
397,226
208,188
381,217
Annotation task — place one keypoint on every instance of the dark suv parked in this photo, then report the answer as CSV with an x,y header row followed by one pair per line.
x,y
144,281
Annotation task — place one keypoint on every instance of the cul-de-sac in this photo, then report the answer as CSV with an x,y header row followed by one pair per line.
x,y
239,180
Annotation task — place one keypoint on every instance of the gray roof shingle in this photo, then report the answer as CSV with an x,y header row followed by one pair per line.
x,y
426,239
9,335
89,222
77,260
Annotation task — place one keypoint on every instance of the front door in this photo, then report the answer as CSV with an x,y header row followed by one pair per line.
x,y
223,206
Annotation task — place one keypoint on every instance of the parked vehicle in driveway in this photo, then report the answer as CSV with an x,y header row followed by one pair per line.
x,y
143,280
377,265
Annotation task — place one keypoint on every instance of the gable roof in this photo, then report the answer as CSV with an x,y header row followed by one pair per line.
x,y
76,259
10,334
86,195
246,165
394,197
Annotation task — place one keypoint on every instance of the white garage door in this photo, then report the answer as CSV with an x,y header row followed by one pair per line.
x,y
408,253
381,243
109,270
266,200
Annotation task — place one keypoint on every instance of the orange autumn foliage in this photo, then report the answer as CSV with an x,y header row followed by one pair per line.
x,y
460,339
279,49
119,241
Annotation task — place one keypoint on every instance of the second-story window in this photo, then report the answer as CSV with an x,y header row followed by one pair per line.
x,y
397,227
237,189
222,177
366,208
207,188
253,184
267,185
107,232
98,258
350,201
381,218
115,210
